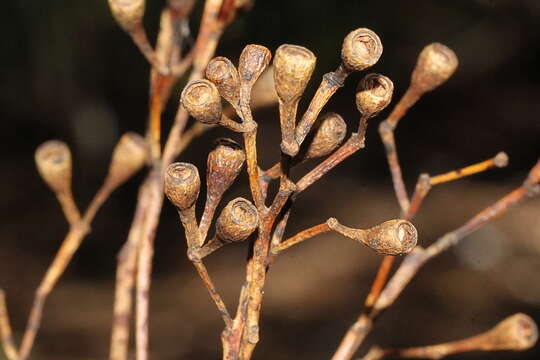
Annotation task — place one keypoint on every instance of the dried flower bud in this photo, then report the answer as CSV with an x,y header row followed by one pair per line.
x,y
224,75
201,99
224,164
127,13
128,157
392,237
328,136
373,94
253,60
435,64
361,49
293,66
53,161
181,8
237,221
182,185
517,332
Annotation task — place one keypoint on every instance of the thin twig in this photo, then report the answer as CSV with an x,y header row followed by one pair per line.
x,y
6,334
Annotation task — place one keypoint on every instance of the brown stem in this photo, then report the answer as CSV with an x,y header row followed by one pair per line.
x,y
330,83
69,207
301,236
344,151
6,334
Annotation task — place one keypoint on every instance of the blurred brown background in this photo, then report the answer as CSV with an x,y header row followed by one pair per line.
x,y
70,73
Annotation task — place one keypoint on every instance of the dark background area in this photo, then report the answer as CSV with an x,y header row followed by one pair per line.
x,y
70,73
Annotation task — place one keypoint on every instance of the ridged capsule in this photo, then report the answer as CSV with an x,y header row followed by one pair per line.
x,y
224,75
182,185
202,100
373,94
238,220
361,49
435,64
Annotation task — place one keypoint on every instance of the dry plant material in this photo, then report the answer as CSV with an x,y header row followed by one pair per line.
x,y
251,85
516,333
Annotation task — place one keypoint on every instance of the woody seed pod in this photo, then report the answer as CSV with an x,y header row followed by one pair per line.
x,y
361,49
182,185
328,136
517,332
373,94
127,13
253,60
128,157
237,221
201,99
392,237
293,66
224,164
53,161
435,64
224,75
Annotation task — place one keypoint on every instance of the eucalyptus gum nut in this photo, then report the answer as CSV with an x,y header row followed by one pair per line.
x,y
293,66
224,75
361,49
127,13
238,220
202,100
129,156
182,184
373,94
435,64
53,161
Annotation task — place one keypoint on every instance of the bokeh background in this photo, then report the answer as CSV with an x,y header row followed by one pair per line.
x,y
69,72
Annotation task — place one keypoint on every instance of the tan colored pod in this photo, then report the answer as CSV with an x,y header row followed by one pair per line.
x,y
224,75
328,136
127,13
223,166
253,60
202,100
435,64
238,220
373,94
53,161
129,156
293,66
361,49
182,184
517,332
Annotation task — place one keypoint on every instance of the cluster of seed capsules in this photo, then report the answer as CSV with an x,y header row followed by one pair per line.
x,y
313,136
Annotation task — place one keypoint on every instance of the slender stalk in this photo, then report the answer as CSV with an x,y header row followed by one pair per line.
x,y
6,334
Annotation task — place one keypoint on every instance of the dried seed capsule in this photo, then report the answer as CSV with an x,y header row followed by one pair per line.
x,y
373,94
361,49
237,221
253,60
224,164
224,75
128,157
328,136
392,237
127,13
517,332
435,64
182,185
53,161
293,66
201,99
